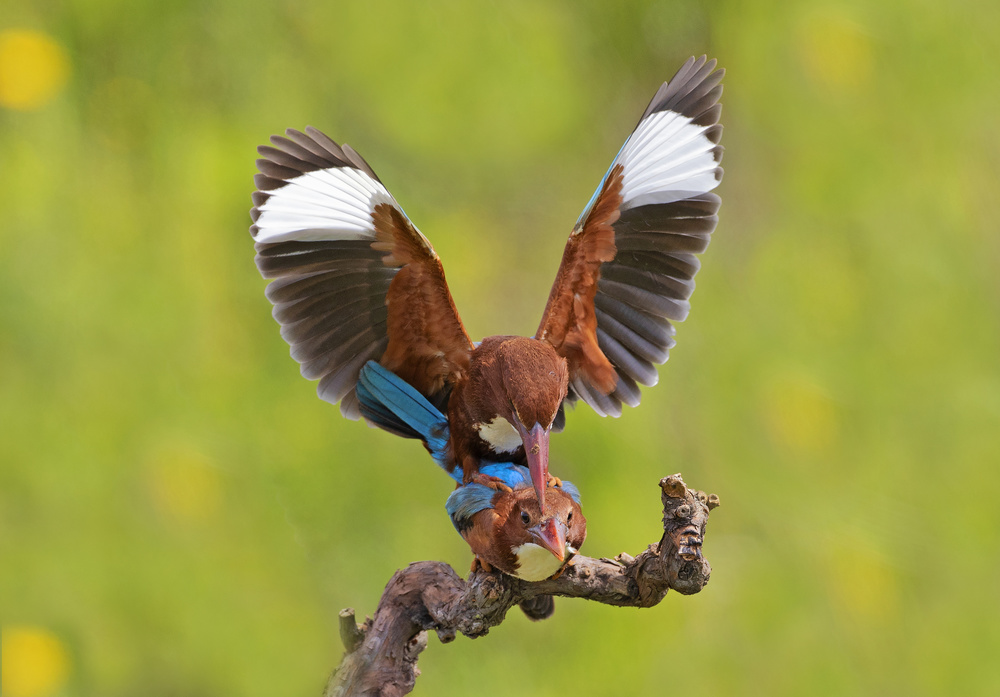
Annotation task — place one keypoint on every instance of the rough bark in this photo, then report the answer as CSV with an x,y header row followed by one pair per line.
x,y
381,654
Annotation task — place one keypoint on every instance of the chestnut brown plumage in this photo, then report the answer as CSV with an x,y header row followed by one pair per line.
x,y
569,322
356,281
502,536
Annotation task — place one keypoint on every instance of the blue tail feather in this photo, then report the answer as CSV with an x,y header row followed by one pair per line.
x,y
391,403
380,415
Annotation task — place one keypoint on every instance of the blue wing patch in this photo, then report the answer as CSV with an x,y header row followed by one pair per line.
x,y
514,476
593,198
465,501
518,477
571,489
391,403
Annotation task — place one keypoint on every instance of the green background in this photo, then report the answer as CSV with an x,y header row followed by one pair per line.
x,y
179,508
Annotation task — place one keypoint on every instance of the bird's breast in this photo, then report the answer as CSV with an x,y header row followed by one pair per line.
x,y
535,563
500,435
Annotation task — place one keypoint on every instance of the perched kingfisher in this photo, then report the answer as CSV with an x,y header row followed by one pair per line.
x,y
503,523
509,530
355,281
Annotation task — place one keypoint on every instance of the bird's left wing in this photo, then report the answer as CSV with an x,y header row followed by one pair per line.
x,y
629,265
354,278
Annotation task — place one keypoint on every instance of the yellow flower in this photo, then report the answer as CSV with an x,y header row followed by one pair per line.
x,y
33,69
35,662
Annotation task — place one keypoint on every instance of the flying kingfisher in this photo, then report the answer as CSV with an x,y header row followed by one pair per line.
x,y
355,281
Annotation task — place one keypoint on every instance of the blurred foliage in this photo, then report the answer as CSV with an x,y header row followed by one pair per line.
x,y
179,514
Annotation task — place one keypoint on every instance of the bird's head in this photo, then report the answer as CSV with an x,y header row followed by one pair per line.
x,y
518,386
511,531
542,541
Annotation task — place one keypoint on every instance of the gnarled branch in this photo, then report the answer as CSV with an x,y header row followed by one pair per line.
x,y
381,657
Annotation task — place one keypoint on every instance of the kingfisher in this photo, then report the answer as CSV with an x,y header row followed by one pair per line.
x,y
509,530
504,523
355,281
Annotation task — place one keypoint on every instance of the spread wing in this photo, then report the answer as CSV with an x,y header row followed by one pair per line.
x,y
629,265
354,280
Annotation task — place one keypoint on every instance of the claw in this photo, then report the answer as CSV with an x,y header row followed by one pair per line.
x,y
478,564
491,482
554,481
562,568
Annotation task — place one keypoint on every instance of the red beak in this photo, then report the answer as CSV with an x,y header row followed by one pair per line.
x,y
536,447
552,536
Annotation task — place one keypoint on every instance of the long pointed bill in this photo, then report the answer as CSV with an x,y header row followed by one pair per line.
x,y
552,536
536,448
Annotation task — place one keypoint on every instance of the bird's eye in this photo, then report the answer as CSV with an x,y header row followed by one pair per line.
x,y
569,517
525,518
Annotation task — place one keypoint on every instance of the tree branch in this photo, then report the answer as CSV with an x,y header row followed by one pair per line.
x,y
381,657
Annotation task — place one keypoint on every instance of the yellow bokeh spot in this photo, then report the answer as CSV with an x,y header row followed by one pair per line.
x,y
184,485
835,50
35,662
862,584
33,69
799,415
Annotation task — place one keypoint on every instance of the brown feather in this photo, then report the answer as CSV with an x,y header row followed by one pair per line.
x,y
508,376
428,346
569,323
479,535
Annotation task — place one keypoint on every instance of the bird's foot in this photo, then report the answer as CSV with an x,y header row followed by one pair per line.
x,y
554,481
557,574
478,564
491,482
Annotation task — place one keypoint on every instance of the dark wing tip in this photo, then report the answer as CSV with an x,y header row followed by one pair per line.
x,y
651,278
691,92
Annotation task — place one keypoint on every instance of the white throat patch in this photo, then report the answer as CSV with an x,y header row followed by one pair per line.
x,y
501,435
535,563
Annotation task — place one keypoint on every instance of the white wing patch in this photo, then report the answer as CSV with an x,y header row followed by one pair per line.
x,y
328,204
667,158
